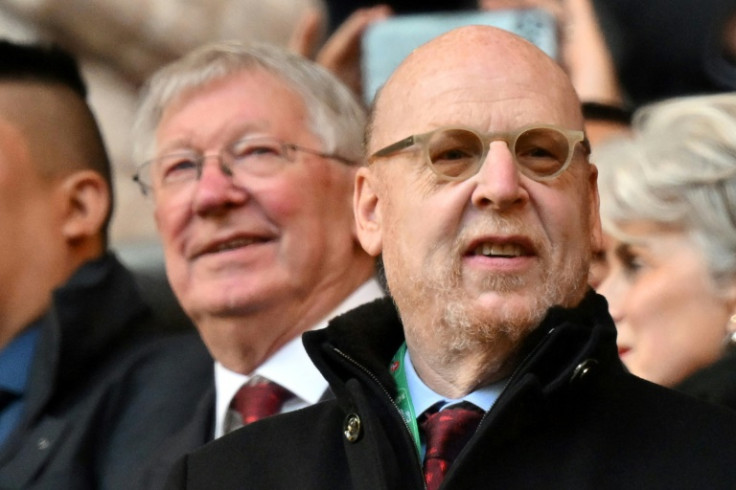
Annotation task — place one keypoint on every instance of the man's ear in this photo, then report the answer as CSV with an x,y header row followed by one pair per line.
x,y
86,201
367,212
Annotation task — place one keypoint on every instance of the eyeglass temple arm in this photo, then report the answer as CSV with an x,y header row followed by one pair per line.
x,y
399,145
586,144
332,156
142,185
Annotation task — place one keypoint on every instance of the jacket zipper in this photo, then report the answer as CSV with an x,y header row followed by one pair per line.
x,y
388,396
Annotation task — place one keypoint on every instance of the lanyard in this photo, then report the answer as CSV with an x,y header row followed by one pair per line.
x,y
403,397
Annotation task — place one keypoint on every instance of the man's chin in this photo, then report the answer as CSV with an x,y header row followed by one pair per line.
x,y
220,301
493,314
494,300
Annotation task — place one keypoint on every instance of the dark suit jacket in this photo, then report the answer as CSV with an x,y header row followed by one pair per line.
x,y
191,436
194,433
103,392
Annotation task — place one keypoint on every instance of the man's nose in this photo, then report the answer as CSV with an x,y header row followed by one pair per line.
x,y
498,179
215,187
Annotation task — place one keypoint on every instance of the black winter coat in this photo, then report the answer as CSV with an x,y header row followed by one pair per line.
x,y
103,392
715,383
570,417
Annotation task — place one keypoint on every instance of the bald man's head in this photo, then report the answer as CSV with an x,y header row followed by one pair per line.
x,y
473,52
460,133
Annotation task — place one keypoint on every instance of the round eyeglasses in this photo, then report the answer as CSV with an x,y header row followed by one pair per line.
x,y
541,152
259,156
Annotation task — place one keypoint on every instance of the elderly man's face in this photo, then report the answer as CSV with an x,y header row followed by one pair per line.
x,y
244,244
484,257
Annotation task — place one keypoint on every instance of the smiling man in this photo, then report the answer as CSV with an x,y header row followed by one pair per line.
x,y
493,365
250,156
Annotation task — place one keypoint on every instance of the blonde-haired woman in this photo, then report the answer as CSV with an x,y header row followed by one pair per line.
x,y
668,205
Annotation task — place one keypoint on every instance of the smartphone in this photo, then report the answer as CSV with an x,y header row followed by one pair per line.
x,y
385,44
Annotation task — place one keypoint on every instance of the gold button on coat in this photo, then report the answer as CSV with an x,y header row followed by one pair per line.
x,y
352,427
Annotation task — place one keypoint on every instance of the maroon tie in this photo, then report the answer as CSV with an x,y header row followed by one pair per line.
x,y
446,432
259,398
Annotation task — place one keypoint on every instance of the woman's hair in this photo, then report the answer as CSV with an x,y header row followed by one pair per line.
x,y
677,169
335,115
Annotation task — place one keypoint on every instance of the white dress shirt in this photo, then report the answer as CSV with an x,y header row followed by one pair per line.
x,y
290,367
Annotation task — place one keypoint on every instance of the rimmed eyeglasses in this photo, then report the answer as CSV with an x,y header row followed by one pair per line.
x,y
541,151
259,156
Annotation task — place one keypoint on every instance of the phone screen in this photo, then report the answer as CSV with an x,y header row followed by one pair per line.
x,y
385,44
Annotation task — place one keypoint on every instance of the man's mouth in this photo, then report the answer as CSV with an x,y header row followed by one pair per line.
x,y
232,244
504,250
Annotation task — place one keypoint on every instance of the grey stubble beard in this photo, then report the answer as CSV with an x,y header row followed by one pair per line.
x,y
461,327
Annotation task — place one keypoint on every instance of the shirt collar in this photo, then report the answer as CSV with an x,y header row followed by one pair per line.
x,y
290,366
423,397
16,359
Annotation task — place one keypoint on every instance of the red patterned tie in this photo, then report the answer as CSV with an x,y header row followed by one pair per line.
x,y
259,398
446,432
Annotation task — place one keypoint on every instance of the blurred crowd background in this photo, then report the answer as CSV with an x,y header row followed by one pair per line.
x,y
661,48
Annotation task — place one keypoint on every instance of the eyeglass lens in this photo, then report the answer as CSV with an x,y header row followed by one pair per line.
x,y
257,156
459,153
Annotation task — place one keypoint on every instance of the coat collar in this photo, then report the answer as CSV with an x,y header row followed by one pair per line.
x,y
89,317
567,340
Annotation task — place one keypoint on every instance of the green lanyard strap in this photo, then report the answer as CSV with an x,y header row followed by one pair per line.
x,y
403,397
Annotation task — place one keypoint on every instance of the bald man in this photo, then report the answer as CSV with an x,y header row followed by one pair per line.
x,y
493,365
72,322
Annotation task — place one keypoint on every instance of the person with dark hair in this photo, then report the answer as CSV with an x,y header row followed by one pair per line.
x,y
74,329
47,64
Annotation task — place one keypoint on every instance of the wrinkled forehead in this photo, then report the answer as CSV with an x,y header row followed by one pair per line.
x,y
495,85
251,82
246,101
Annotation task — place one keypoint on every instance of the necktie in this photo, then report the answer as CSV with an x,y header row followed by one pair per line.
x,y
259,398
446,432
